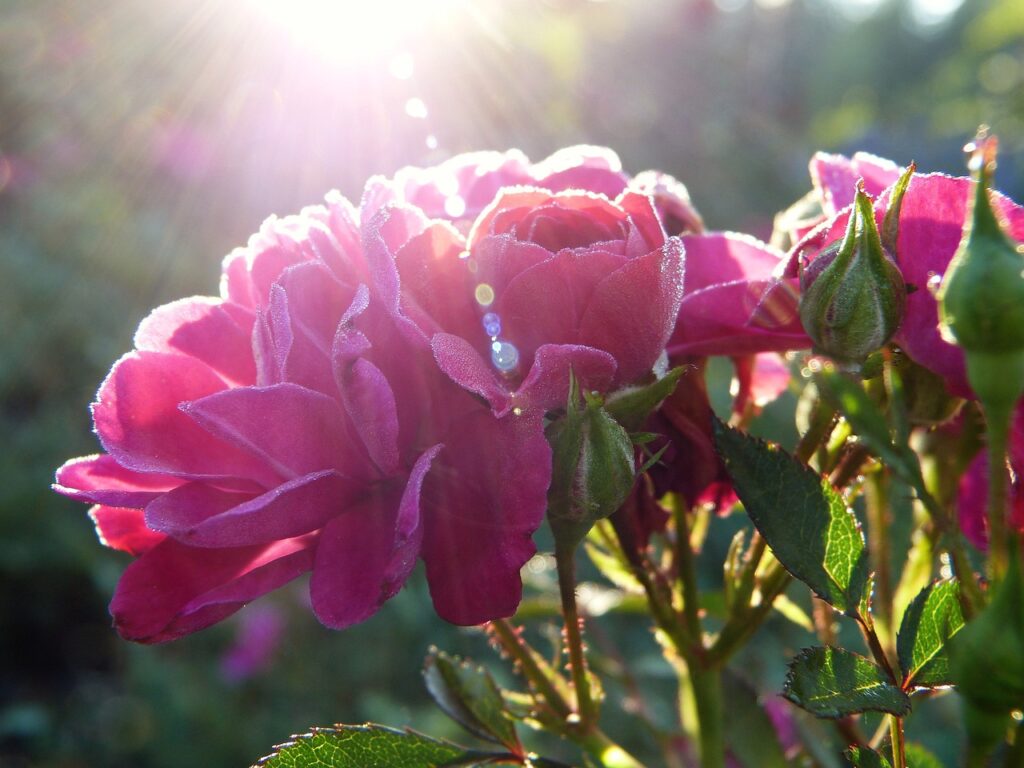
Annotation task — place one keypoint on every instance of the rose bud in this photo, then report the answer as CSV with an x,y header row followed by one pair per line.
x,y
852,296
981,301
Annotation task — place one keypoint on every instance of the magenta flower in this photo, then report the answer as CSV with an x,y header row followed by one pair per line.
x,y
972,497
734,302
324,414
930,226
291,427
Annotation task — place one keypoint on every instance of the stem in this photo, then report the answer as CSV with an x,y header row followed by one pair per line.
x,y
998,423
585,705
687,569
738,630
705,679
878,544
707,695
899,750
875,645
537,676
540,676
822,422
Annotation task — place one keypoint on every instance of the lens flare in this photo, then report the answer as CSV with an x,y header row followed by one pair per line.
x,y
346,30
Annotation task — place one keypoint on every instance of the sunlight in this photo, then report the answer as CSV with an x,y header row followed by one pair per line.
x,y
342,30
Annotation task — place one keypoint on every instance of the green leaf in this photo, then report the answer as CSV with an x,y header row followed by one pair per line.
x,y
607,556
366,746
802,517
919,757
632,406
469,695
832,682
868,422
930,620
748,730
864,757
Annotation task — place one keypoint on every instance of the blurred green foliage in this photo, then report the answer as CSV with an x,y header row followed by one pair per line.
x,y
139,142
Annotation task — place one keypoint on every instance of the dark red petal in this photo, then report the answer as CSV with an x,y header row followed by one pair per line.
x,y
173,590
482,507
201,515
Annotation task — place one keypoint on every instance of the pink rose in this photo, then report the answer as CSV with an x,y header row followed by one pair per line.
x,y
930,227
290,426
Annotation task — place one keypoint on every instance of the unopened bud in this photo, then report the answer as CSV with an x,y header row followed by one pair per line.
x,y
852,296
981,301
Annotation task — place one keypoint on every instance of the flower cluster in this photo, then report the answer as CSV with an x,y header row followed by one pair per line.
x,y
373,383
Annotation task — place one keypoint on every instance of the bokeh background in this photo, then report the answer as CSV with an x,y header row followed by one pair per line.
x,y
142,140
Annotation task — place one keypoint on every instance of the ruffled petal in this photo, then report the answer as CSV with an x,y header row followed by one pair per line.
x,y
137,418
98,479
632,312
482,507
204,329
366,555
292,429
173,590
124,529
201,515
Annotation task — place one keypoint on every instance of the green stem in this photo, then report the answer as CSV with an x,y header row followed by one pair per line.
x,y
740,628
899,750
585,705
998,425
705,679
878,544
531,667
540,676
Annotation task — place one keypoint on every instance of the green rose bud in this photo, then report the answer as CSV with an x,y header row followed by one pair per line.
x,y
852,296
981,301
593,469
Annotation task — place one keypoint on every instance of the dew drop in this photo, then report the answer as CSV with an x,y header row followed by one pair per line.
x,y
484,295
492,325
517,411
504,356
934,283
431,141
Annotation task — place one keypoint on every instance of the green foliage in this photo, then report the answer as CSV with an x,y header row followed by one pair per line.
x,y
469,695
931,619
631,406
868,422
919,757
366,746
748,730
865,757
802,517
832,682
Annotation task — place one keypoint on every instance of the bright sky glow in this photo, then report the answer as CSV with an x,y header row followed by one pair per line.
x,y
345,30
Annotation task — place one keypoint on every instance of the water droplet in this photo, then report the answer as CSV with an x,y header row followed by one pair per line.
x,y
454,207
504,356
572,718
431,141
934,283
484,295
517,411
492,325
415,107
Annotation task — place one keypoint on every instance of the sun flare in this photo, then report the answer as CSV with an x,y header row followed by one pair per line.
x,y
355,29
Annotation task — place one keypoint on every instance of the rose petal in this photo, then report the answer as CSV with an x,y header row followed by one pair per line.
x,y
481,508
632,312
138,421
124,529
173,590
98,479
294,430
201,515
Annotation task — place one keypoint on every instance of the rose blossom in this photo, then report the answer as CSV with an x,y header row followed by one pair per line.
x,y
290,427
930,227
323,415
